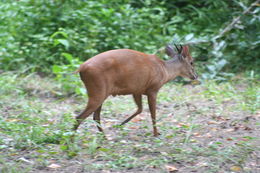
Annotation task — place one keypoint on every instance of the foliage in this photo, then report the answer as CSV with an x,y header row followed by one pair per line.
x,y
36,34
45,29
64,75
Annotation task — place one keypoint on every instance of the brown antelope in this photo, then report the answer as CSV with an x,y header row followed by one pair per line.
x,y
126,71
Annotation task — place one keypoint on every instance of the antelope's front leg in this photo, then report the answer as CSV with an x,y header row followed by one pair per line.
x,y
152,106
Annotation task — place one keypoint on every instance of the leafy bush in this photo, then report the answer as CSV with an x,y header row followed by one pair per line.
x,y
64,75
35,34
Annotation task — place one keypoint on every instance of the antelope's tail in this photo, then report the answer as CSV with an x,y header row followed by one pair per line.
x,y
77,71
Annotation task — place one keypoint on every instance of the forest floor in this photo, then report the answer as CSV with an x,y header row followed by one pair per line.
x,y
212,127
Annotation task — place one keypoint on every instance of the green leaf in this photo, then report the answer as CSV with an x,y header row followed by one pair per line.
x,y
80,91
64,34
220,64
104,149
64,147
64,42
56,69
68,56
189,36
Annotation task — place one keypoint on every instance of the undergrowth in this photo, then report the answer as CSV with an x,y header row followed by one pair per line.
x,y
211,127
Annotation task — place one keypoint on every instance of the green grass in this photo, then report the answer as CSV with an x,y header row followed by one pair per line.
x,y
207,128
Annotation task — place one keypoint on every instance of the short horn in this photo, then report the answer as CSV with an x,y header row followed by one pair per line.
x,y
177,48
181,49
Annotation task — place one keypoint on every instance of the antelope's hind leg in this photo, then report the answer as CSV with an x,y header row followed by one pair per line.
x,y
138,101
96,117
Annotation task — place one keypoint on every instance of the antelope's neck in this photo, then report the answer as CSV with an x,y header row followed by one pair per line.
x,y
173,69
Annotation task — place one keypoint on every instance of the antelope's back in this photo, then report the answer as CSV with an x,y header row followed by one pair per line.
x,y
124,71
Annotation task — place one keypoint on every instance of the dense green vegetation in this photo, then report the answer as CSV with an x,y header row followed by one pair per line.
x,y
36,34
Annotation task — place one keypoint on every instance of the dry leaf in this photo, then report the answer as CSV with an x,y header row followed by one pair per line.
x,y
212,122
214,129
173,120
85,145
183,125
140,117
108,124
230,130
54,166
133,127
196,134
235,168
208,135
244,139
247,128
164,153
106,171
12,120
109,137
202,164
124,141
25,160
144,158
136,119
221,118
13,154
171,168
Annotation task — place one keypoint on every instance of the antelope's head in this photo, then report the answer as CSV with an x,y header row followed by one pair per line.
x,y
186,68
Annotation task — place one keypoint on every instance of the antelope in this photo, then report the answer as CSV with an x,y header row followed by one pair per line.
x,y
126,71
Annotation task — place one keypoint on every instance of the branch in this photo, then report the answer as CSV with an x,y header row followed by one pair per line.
x,y
225,30
235,20
228,27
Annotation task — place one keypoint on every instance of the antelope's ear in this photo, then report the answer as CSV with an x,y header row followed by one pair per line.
x,y
185,51
169,51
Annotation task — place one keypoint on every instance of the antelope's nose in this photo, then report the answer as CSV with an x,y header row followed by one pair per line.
x,y
194,76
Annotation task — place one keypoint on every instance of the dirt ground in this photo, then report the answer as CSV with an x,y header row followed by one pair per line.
x,y
204,128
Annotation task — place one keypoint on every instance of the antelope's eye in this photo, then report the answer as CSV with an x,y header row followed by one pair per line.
x,y
191,63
